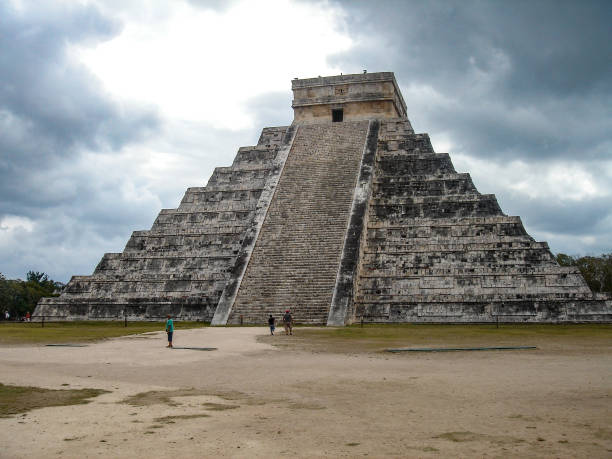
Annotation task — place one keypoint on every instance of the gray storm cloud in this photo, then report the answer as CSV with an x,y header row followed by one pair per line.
x,y
497,81
51,110
507,80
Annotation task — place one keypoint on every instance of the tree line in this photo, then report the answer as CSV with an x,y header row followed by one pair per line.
x,y
19,297
597,271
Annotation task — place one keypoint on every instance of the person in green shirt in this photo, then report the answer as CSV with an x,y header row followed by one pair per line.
x,y
169,330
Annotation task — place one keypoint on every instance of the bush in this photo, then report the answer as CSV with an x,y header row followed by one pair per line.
x,y
597,271
19,297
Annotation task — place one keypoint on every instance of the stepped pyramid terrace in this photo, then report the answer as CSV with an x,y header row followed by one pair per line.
x,y
345,215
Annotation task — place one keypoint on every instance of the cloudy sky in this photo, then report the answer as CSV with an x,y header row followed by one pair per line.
x,y
110,109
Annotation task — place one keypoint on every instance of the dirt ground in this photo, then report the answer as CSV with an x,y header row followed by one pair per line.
x,y
272,397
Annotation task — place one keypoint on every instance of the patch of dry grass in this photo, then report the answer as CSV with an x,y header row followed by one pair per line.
x,y
375,338
166,397
219,406
459,437
173,419
161,397
17,333
20,399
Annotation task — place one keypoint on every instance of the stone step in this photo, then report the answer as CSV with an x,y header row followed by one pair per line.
x,y
448,222
109,288
475,270
227,178
379,244
458,299
254,156
228,187
424,188
462,234
272,136
392,201
455,206
158,242
438,247
426,164
229,205
178,217
461,284
388,180
207,266
460,261
207,230
305,226
213,196
403,142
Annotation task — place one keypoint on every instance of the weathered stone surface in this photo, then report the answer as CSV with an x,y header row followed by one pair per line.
x,y
342,300
338,221
296,258
360,97
243,258
438,251
182,265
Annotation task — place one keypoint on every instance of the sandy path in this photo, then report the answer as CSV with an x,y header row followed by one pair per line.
x,y
252,399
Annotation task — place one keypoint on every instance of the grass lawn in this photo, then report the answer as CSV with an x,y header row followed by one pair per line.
x,y
13,333
19,399
372,338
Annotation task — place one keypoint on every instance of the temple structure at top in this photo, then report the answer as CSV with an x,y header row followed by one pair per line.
x,y
345,215
347,98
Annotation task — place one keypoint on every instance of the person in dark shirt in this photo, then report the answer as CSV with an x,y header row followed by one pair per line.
x,y
271,322
288,321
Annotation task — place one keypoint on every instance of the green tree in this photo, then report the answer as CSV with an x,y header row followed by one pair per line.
x,y
565,260
597,271
19,297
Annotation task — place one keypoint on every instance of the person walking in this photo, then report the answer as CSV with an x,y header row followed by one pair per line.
x,y
271,321
169,330
288,321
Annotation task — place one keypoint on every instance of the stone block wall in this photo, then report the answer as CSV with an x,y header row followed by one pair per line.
x,y
182,264
436,250
361,97
339,222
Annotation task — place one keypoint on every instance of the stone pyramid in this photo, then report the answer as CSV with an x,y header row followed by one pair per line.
x,y
345,215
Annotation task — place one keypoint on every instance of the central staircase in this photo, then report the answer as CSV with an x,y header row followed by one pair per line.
x,y
295,260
